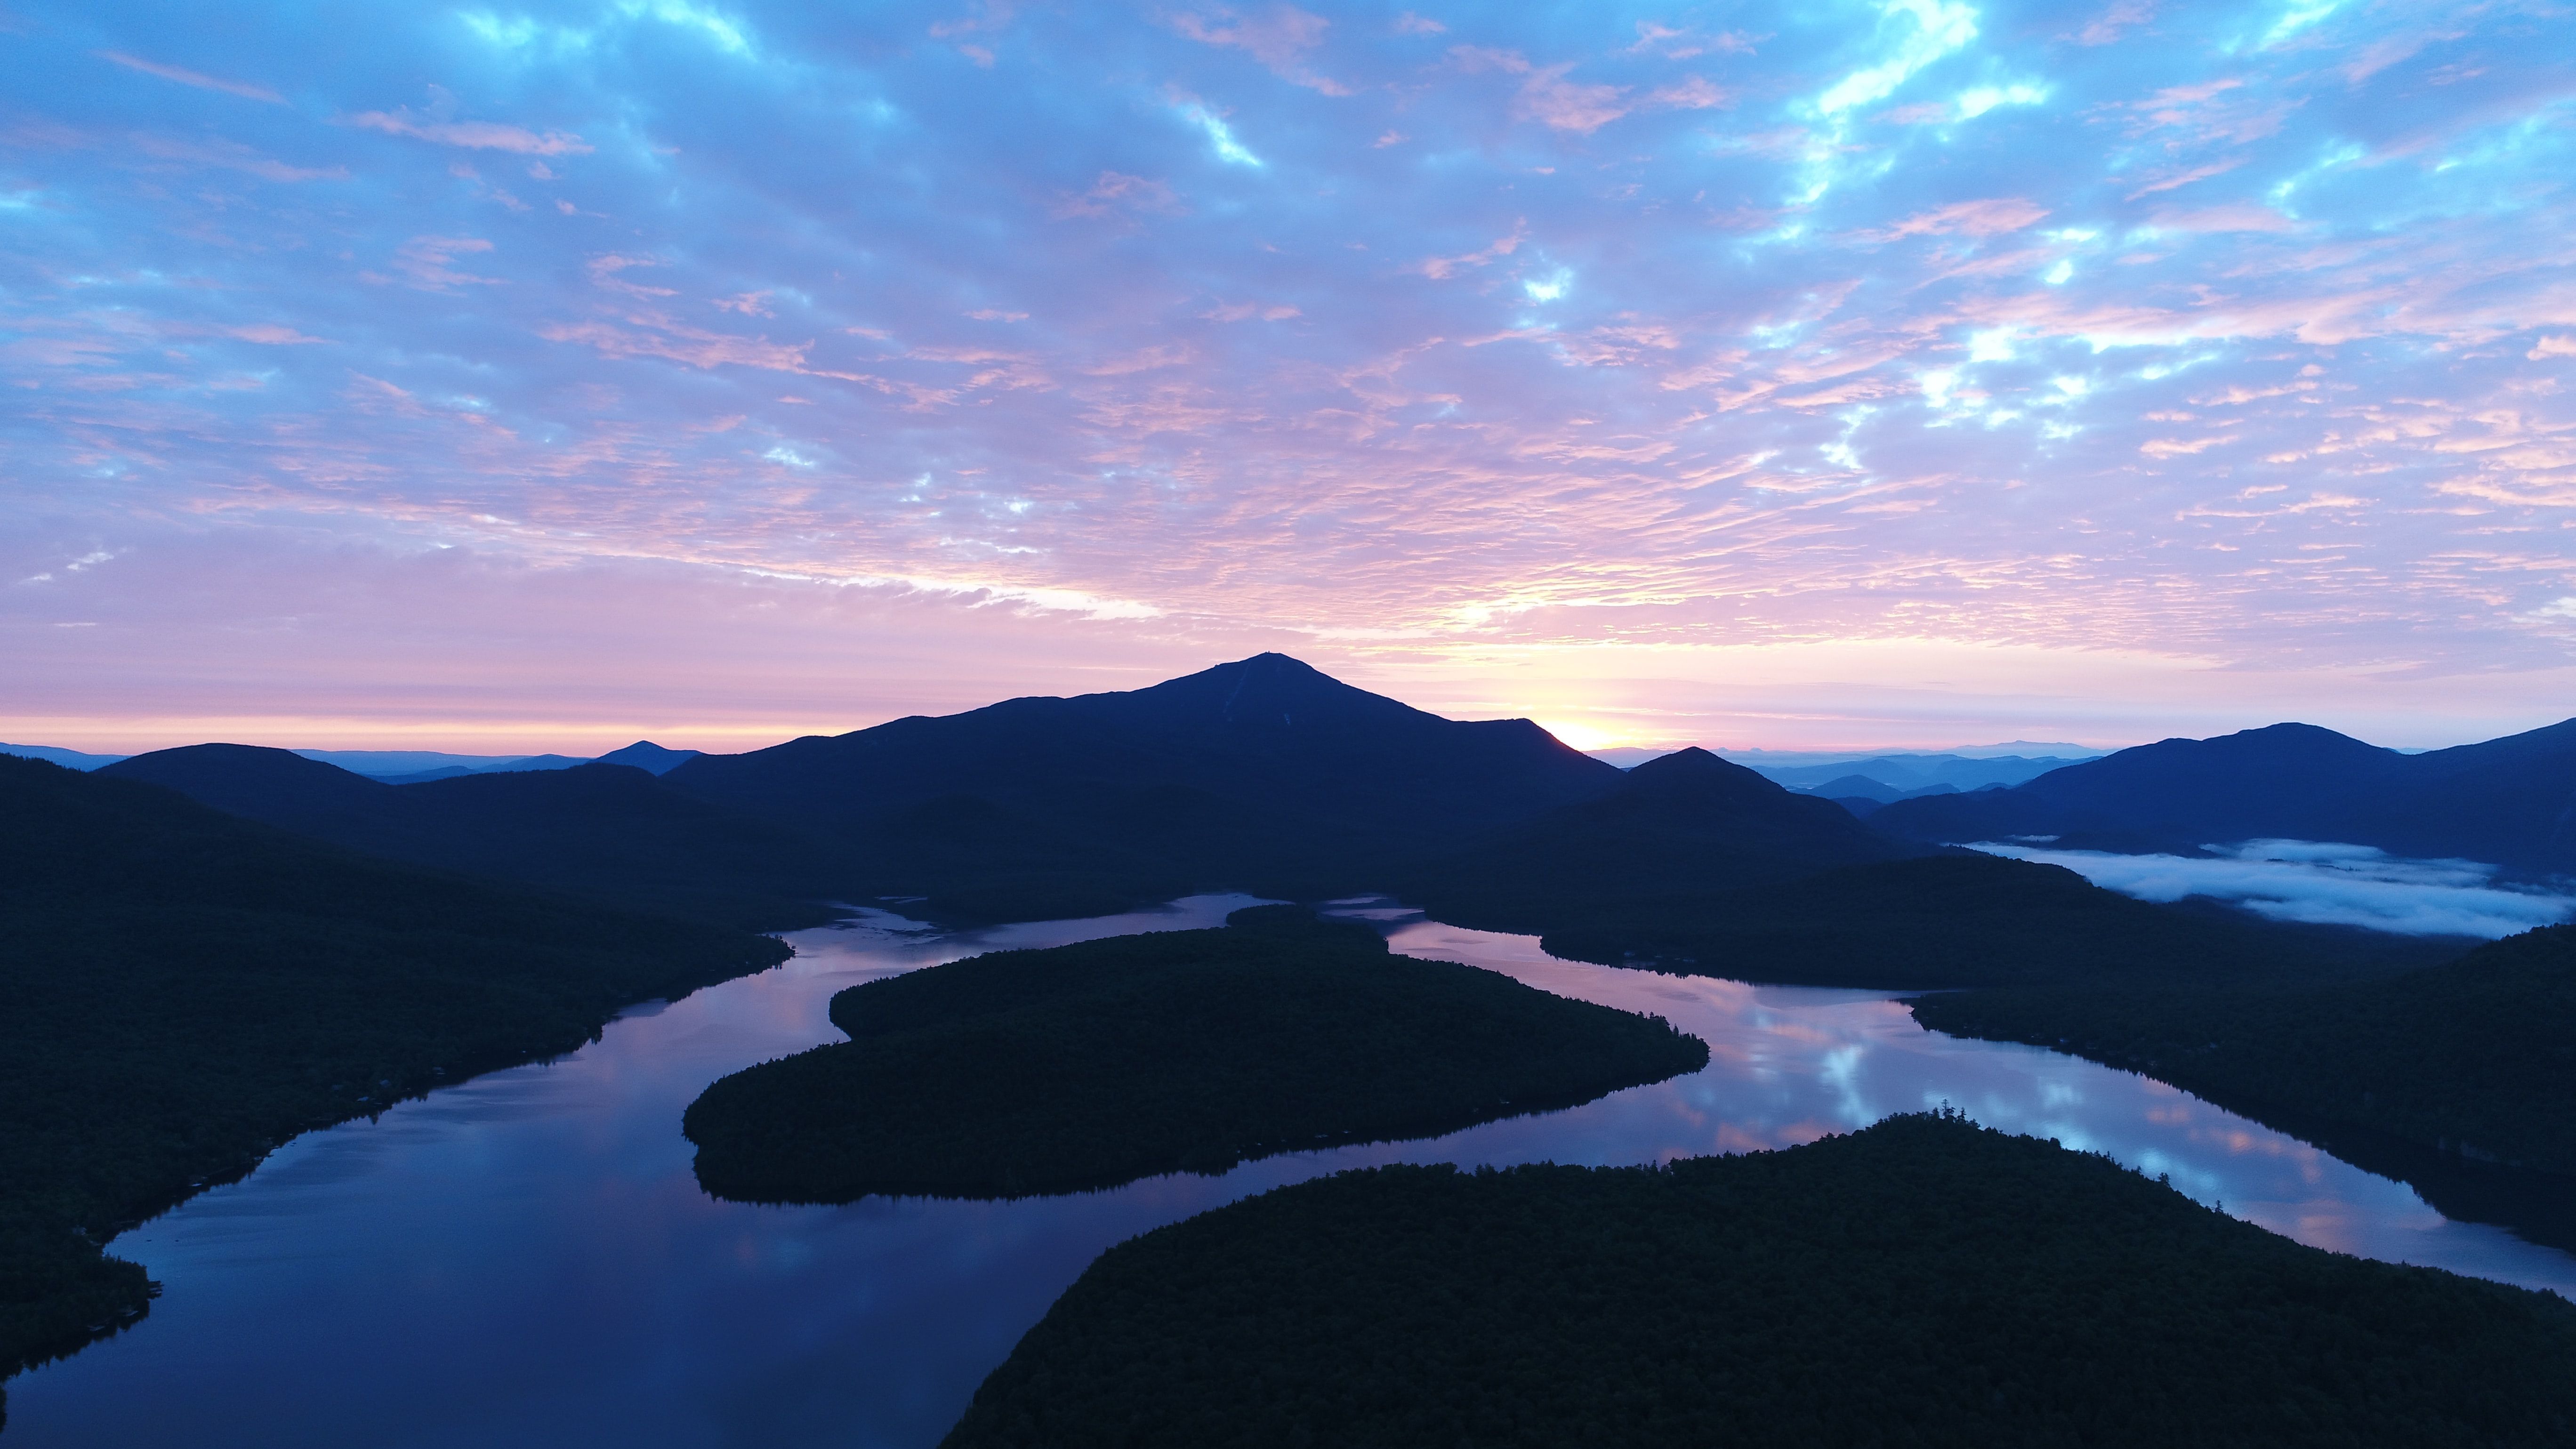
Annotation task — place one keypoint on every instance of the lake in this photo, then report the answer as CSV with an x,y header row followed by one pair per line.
x,y
526,1259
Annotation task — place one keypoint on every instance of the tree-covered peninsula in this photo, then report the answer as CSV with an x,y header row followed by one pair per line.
x,y
2476,1057
1085,1066
185,990
1923,1282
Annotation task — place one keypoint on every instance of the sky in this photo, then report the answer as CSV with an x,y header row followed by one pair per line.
x,y
1841,373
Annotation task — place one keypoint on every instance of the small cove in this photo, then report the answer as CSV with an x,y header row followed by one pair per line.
x,y
526,1258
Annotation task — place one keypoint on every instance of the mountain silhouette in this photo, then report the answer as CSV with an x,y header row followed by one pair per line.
x,y
1682,825
2508,802
1262,774
609,832
649,757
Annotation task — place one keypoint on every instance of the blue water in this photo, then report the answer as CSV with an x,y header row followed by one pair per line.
x,y
525,1259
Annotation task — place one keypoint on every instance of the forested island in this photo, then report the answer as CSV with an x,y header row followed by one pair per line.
x,y
187,989
1921,1282
2476,1057
1085,1066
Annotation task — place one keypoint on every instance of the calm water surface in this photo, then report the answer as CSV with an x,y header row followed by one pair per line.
x,y
525,1259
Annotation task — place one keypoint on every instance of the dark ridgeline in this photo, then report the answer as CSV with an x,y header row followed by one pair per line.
x,y
1262,775
1683,825
1922,1282
609,832
2509,802
1090,1065
186,989
649,757
2475,1058
1700,866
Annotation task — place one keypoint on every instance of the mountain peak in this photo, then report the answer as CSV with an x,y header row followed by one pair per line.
x,y
1693,768
1269,691
648,756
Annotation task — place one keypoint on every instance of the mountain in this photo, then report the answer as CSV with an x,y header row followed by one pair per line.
x,y
608,832
649,757
51,754
2509,802
400,764
1913,774
186,989
1676,828
1701,867
1260,774
1868,788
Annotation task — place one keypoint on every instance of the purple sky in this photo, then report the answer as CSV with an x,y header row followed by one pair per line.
x,y
1791,375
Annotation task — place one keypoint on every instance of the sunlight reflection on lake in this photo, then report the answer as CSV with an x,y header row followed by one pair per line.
x,y
526,1259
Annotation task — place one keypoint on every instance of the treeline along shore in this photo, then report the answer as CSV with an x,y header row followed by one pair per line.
x,y
1921,1282
186,990
1086,1066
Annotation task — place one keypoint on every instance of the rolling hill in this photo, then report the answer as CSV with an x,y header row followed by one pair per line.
x,y
608,832
2509,802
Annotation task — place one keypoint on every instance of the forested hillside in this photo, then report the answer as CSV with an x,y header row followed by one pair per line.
x,y
186,990
1922,1282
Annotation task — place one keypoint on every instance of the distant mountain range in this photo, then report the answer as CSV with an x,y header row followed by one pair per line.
x,y
612,833
1264,774
407,767
2508,802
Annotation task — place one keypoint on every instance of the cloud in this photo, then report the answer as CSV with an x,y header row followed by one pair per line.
x,y
2239,216
475,135
1443,268
425,260
1651,338
1116,192
230,156
1278,37
244,89
1546,94
2322,884
2122,17
1993,217
271,334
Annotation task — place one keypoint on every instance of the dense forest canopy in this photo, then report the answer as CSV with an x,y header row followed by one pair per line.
x,y
1089,1065
186,990
1922,1282
2475,1057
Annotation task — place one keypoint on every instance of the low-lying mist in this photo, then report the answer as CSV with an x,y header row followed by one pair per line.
x,y
2320,883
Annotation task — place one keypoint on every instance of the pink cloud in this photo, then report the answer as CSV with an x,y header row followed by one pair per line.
x,y
270,334
475,135
2122,16
1117,192
231,156
1278,38
2172,180
425,260
2235,216
1442,268
202,81
1994,216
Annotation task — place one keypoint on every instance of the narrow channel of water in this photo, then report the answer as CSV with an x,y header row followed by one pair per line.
x,y
525,1258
